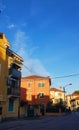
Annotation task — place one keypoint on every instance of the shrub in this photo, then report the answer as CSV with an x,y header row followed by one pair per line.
x,y
56,107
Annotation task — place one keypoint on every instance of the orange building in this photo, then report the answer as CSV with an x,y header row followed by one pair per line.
x,y
35,89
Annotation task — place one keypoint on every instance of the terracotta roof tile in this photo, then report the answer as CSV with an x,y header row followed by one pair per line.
x,y
74,94
56,90
77,98
33,77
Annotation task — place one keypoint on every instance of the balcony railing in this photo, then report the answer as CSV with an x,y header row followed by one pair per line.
x,y
12,82
13,92
15,73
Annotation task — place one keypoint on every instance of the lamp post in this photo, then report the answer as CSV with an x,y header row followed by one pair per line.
x,y
65,87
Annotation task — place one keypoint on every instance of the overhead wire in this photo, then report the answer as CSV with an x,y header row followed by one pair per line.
x,y
65,76
27,68
57,77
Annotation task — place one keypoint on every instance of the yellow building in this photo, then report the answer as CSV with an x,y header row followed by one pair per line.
x,y
57,95
72,101
10,76
75,103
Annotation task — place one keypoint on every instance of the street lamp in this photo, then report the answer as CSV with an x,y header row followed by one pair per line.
x,y
65,87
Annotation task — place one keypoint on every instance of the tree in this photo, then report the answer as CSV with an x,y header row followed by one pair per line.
x,y
49,104
76,92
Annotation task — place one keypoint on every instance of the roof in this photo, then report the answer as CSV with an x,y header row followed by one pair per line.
x,y
12,52
35,77
74,94
56,90
77,98
69,95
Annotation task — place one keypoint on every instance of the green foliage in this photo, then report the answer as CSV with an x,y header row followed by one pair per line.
x,y
55,107
76,92
49,104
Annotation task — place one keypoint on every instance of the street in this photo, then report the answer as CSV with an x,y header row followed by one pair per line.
x,y
67,122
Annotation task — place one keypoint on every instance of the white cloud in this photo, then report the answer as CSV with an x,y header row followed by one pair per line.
x,y
35,66
24,48
11,26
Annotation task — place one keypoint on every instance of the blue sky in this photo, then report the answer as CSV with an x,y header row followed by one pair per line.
x,y
46,34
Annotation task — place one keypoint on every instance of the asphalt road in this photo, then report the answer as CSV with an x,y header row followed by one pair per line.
x,y
68,122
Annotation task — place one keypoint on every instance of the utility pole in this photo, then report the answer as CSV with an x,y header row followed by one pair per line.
x,y
65,87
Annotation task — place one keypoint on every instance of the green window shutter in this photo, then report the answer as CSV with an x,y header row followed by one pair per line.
x,y
11,105
42,84
39,84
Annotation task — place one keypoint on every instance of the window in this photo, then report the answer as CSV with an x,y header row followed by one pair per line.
x,y
11,105
40,84
77,102
29,96
41,95
1,36
29,84
60,94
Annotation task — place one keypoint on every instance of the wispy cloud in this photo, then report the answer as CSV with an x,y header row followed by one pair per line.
x,y
36,67
11,26
24,48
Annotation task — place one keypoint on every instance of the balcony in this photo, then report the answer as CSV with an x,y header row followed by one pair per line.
x,y
15,73
13,92
12,82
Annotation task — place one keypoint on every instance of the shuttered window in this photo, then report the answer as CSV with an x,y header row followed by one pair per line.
x,y
11,105
40,84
